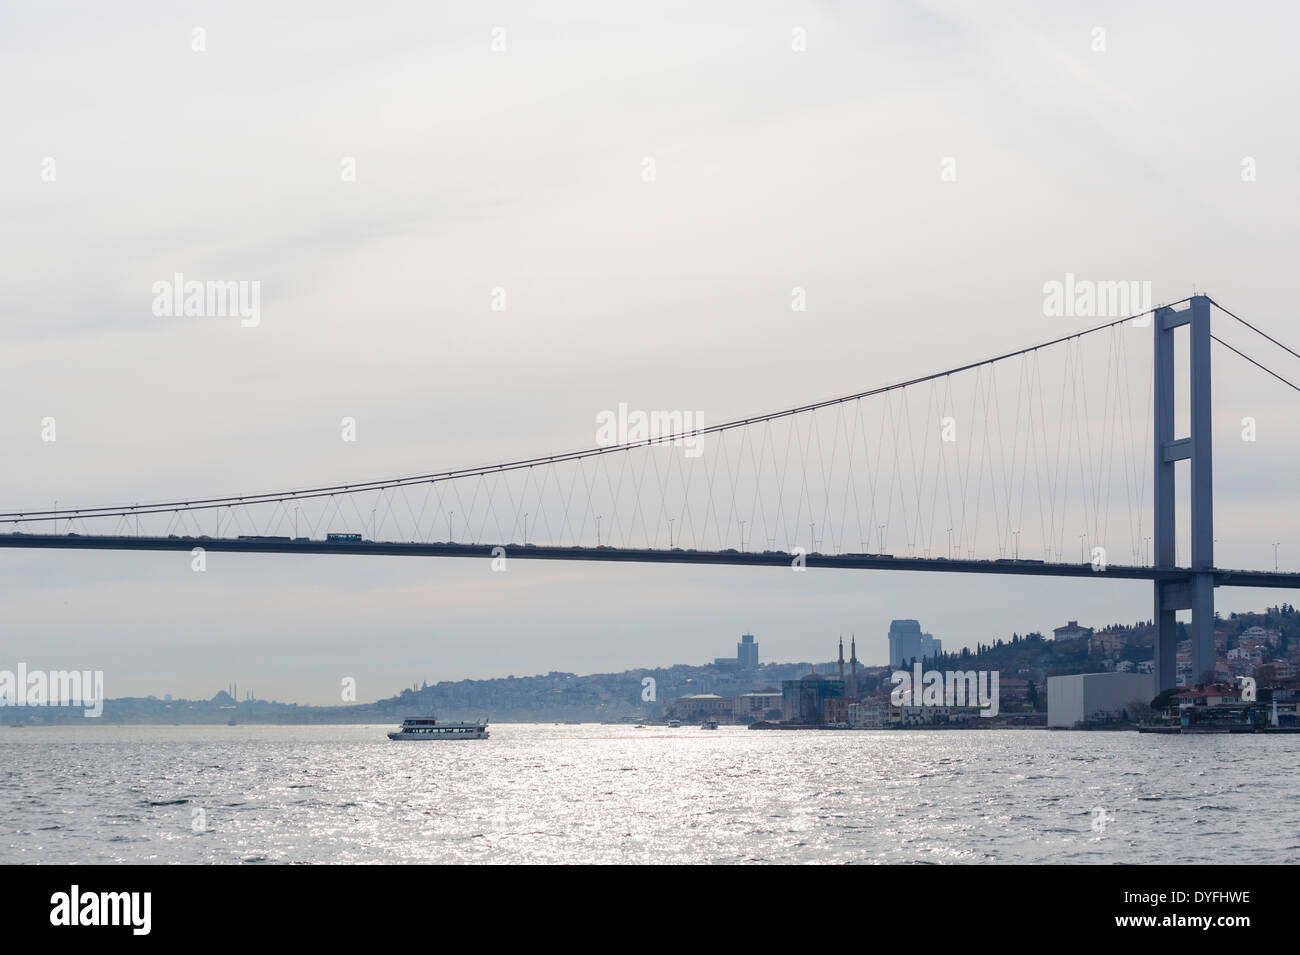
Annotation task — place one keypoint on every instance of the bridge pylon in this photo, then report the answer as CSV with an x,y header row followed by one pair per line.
x,y
1179,588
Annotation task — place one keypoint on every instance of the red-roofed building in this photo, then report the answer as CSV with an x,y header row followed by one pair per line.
x,y
1216,694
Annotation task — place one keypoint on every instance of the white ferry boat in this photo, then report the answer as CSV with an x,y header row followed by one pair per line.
x,y
427,729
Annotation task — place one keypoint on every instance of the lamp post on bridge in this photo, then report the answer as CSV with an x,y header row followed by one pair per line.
x,y
597,530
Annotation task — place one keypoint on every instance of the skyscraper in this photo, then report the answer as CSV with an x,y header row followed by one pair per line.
x,y
747,651
904,641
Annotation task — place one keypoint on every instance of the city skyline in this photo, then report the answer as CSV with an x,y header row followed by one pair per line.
x,y
378,292
656,433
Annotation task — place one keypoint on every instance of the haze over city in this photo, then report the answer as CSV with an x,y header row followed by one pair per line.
x,y
479,169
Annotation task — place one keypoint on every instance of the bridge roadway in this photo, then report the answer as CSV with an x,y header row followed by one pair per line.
x,y
285,545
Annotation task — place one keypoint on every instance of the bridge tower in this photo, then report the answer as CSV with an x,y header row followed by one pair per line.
x,y
1183,589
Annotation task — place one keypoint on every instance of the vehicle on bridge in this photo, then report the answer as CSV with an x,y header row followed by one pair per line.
x,y
343,538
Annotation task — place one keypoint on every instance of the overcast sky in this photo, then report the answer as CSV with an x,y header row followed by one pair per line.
x,y
504,145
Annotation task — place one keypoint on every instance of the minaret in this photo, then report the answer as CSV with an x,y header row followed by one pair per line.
x,y
841,658
853,660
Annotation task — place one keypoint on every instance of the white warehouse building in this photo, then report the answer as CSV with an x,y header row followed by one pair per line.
x,y
1071,699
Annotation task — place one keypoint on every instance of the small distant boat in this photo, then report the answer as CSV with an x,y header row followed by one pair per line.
x,y
430,729
709,725
673,724
639,726
231,723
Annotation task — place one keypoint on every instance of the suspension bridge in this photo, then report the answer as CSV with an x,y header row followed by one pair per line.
x,y
998,466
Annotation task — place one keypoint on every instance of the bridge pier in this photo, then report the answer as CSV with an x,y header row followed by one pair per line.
x,y
1192,589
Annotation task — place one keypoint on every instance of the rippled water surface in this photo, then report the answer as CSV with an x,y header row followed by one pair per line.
x,y
541,793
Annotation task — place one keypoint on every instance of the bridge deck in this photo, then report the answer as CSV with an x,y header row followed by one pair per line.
x,y
264,545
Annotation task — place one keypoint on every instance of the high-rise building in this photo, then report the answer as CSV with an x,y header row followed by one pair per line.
x,y
904,641
747,651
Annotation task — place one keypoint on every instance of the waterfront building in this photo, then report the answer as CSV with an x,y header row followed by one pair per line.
x,y
700,705
869,714
752,707
835,709
933,715
1216,694
1089,696
1013,694
804,700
